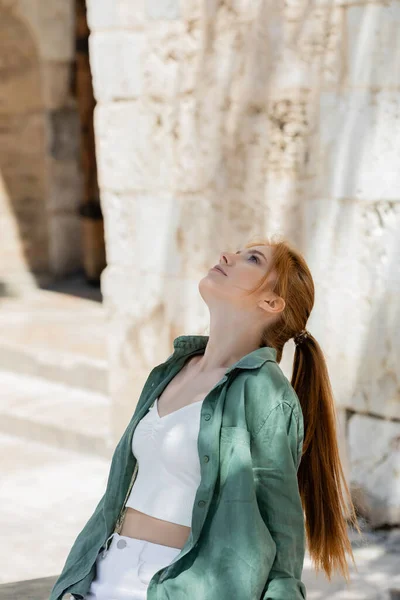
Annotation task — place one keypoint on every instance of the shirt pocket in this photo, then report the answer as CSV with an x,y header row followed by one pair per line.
x,y
236,473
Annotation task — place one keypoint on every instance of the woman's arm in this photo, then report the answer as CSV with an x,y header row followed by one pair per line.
x,y
276,453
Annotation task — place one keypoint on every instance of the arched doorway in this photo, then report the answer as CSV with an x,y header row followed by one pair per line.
x,y
50,216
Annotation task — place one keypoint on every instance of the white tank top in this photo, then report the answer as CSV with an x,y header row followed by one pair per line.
x,y
168,464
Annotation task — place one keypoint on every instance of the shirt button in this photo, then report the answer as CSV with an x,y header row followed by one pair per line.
x,y
207,417
201,503
206,458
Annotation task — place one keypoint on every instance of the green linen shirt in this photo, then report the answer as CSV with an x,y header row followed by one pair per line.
x,y
247,538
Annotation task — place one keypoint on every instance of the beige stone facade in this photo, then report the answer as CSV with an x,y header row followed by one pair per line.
x,y
217,121
40,173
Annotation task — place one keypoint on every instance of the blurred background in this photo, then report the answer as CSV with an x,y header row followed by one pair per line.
x,y
138,140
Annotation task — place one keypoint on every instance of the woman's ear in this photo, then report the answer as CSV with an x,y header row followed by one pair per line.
x,y
273,305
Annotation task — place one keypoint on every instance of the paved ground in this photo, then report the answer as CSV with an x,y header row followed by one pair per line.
x,y
54,468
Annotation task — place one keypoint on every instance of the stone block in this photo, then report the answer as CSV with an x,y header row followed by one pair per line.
x,y
131,219
64,133
378,387
313,46
359,145
353,254
229,11
36,250
152,300
23,247
20,80
163,9
119,227
115,14
116,60
332,3
134,146
22,188
12,255
65,185
56,78
342,438
52,23
24,181
22,142
374,447
165,60
65,243
196,146
206,227
25,193
373,45
289,125
57,33
283,206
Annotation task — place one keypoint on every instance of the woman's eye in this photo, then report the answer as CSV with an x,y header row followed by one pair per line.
x,y
254,256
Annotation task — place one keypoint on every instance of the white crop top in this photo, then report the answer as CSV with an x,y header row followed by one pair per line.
x,y
168,463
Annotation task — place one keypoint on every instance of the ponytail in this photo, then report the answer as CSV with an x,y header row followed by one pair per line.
x,y
323,490
324,493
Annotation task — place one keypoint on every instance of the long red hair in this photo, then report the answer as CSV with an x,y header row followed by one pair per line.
x,y
323,489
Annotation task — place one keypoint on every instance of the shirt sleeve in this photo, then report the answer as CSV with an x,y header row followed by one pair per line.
x,y
276,455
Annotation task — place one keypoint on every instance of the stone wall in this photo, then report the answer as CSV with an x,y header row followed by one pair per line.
x,y
40,178
217,121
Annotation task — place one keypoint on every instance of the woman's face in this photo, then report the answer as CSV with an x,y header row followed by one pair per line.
x,y
243,270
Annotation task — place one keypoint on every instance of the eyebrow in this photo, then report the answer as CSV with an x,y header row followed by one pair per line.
x,y
253,252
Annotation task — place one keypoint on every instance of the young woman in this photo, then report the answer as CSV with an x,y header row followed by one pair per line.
x,y
232,455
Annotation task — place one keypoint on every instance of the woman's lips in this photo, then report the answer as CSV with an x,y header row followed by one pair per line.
x,y
218,269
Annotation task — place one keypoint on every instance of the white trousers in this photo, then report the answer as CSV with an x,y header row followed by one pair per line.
x,y
124,570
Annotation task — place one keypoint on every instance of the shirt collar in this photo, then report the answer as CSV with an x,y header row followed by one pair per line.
x,y
186,344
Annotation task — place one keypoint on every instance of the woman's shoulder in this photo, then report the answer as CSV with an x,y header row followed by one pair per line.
x,y
268,379
264,390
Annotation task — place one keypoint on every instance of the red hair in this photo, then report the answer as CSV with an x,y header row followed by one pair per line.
x,y
323,489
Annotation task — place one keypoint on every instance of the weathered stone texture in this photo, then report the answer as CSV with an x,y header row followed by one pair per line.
x,y
229,119
65,243
374,447
119,14
19,67
314,46
22,141
64,185
372,34
288,129
121,55
133,141
51,23
38,131
167,60
360,144
163,9
56,82
359,290
63,134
